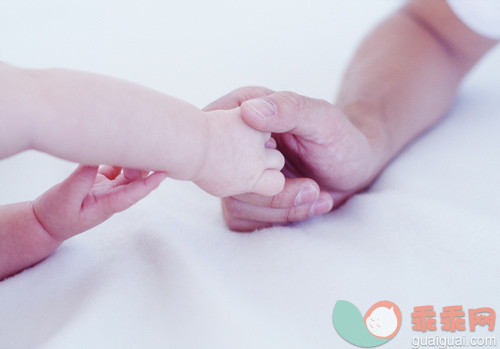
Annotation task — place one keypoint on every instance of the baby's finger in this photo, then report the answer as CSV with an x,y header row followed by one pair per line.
x,y
128,194
110,172
132,173
271,143
78,184
271,182
275,160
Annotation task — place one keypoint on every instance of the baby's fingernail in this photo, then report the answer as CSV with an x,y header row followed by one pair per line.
x,y
319,207
263,107
305,195
132,174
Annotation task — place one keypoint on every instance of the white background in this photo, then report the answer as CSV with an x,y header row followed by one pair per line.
x,y
167,273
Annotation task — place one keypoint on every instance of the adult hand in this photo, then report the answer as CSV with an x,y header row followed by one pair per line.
x,y
328,158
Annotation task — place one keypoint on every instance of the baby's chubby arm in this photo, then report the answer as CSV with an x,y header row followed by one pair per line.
x,y
31,231
94,119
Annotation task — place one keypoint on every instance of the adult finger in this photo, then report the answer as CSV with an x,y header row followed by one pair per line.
x,y
244,225
238,96
299,200
243,216
297,191
281,112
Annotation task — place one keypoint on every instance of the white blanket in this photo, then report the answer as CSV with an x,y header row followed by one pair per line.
x,y
167,273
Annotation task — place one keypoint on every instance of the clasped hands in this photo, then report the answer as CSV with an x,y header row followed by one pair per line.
x,y
328,156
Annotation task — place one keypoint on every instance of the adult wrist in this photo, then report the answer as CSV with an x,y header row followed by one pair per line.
x,y
368,118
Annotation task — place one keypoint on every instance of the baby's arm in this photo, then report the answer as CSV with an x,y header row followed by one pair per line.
x,y
94,119
31,231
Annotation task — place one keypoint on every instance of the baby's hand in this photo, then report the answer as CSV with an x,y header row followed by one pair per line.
x,y
239,159
88,197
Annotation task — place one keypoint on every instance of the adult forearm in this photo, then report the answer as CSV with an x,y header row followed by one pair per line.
x,y
403,79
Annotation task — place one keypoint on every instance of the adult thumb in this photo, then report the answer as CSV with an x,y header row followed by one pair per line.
x,y
289,112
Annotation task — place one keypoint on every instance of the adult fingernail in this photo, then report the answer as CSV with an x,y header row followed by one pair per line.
x,y
319,207
263,107
305,195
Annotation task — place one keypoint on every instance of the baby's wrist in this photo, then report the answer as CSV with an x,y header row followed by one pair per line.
x,y
221,144
199,163
37,218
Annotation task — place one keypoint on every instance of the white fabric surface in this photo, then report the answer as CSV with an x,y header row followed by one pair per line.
x,y
167,273
482,16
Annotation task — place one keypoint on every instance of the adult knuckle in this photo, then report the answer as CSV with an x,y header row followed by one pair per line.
x,y
280,200
283,215
239,225
275,201
295,214
237,94
290,214
233,224
291,100
231,208
243,94
227,214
